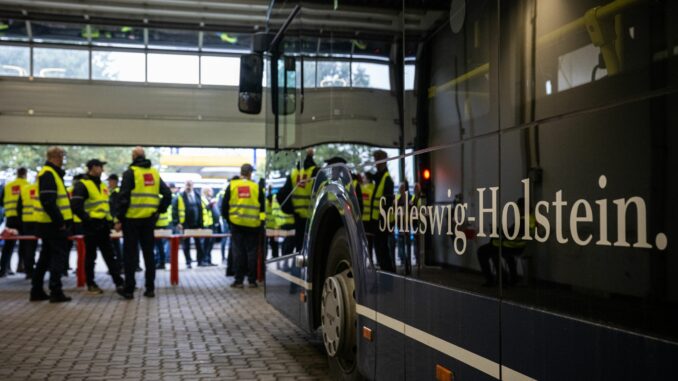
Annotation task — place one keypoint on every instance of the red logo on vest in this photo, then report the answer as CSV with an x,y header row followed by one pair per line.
x,y
148,179
32,192
244,192
16,189
106,191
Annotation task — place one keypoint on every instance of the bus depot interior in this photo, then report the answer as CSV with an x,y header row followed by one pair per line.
x,y
532,214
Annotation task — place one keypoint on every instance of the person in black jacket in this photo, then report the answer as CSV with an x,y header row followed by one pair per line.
x,y
96,225
188,215
54,234
139,230
113,202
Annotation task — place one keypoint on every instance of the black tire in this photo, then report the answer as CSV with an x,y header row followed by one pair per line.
x,y
343,367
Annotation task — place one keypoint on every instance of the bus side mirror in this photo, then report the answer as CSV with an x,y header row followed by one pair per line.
x,y
250,91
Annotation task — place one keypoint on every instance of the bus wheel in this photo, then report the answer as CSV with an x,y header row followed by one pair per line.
x,y
338,311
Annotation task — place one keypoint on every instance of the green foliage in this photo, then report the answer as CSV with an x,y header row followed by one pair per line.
x,y
355,155
33,157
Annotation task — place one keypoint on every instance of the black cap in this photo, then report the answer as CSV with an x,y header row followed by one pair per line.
x,y
96,162
113,177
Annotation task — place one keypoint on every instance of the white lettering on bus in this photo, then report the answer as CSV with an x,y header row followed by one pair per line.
x,y
429,218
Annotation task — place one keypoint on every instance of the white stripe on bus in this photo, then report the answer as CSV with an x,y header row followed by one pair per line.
x,y
474,360
291,278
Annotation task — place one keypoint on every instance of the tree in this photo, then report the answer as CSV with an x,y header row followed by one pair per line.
x,y
33,157
360,77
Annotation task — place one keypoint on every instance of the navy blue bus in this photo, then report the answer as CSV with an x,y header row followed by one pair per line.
x,y
527,229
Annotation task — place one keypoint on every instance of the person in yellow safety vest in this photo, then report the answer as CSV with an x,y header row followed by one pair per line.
x,y
245,205
11,201
384,189
272,210
510,249
77,223
404,242
29,200
295,198
164,222
208,222
54,219
90,202
189,216
138,211
113,201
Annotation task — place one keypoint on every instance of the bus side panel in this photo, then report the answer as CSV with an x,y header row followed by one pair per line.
x,y
390,341
281,292
462,319
548,346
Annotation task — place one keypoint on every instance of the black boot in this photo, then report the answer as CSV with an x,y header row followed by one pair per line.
x,y
59,298
38,295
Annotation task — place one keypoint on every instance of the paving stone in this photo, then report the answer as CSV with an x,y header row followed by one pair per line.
x,y
199,330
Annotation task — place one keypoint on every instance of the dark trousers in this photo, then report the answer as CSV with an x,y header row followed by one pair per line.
x,y
160,253
275,247
381,248
29,247
117,252
299,228
208,244
8,248
100,239
245,251
186,243
138,232
489,252
53,258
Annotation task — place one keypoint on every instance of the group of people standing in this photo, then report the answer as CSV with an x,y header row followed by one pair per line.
x,y
48,210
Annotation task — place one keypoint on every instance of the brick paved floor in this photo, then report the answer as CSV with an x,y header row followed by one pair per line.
x,y
199,330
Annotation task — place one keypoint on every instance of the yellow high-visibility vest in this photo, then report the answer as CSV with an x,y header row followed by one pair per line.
x,y
301,196
164,219
62,201
29,198
377,196
271,222
367,191
11,196
244,208
281,218
517,243
96,204
69,190
207,220
144,198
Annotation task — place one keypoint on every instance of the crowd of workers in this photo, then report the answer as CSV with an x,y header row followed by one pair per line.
x,y
141,203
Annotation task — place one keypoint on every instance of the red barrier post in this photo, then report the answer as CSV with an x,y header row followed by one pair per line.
x,y
174,260
80,248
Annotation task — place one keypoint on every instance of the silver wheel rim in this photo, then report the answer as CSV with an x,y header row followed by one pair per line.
x,y
332,315
338,316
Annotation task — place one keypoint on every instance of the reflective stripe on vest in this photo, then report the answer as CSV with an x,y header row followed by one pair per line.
x,y
271,222
69,190
29,198
144,198
164,219
207,220
11,196
62,200
96,204
281,218
367,190
301,197
181,207
377,196
244,208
